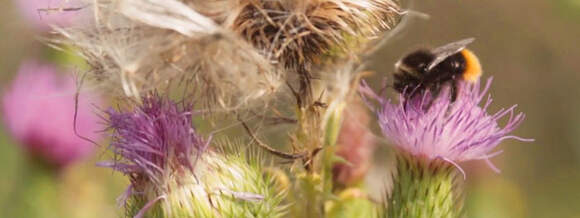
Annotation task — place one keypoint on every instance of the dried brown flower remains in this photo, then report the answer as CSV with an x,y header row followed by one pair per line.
x,y
301,33
229,52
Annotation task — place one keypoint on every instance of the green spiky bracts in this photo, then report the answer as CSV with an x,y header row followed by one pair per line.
x,y
423,188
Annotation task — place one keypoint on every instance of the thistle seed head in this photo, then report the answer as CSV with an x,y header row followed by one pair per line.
x,y
136,46
302,33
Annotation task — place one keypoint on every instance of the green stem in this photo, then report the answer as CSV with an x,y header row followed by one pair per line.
x,y
330,138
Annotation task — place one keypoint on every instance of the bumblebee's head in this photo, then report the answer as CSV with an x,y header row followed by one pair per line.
x,y
472,70
416,61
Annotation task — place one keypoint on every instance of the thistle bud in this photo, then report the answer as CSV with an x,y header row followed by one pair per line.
x,y
355,145
173,174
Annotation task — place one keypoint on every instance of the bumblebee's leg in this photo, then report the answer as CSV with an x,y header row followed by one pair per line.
x,y
405,83
453,90
434,90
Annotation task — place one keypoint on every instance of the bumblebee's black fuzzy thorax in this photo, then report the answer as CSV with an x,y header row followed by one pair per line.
x,y
413,77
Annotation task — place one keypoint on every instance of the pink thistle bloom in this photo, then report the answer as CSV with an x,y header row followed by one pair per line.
x,y
39,110
41,14
437,128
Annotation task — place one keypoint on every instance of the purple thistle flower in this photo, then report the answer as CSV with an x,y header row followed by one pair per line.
x,y
154,140
437,128
39,110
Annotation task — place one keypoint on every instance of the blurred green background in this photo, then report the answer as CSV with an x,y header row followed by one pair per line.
x,y
531,48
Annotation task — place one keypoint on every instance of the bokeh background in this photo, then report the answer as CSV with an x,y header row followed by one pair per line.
x,y
531,48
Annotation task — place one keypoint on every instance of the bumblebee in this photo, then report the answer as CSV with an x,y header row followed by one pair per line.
x,y
432,69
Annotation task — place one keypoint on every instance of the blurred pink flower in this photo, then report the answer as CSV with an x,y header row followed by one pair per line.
x,y
355,144
43,13
38,110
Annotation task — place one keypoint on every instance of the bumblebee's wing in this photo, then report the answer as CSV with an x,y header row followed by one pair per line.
x,y
441,53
